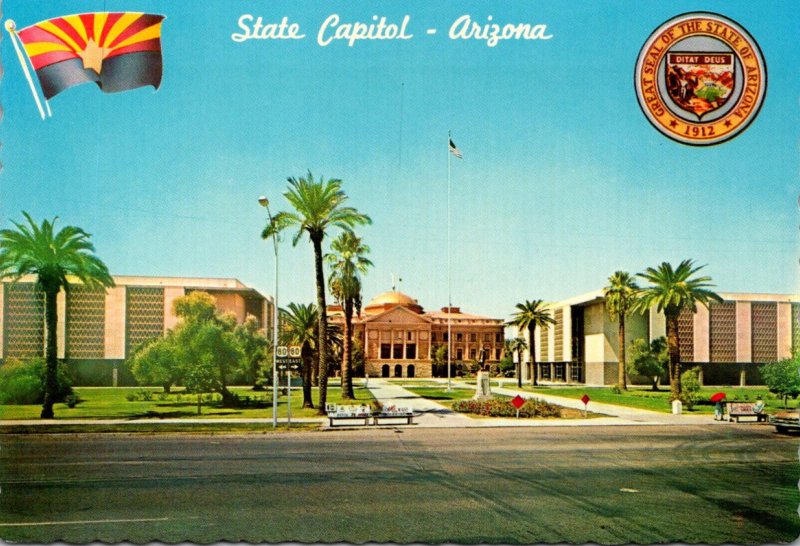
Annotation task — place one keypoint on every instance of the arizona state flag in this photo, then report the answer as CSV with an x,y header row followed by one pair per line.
x,y
117,51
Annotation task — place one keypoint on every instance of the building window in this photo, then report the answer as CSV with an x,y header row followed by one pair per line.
x,y
473,354
459,354
386,350
459,336
445,336
487,337
410,336
411,351
498,338
497,354
397,352
473,337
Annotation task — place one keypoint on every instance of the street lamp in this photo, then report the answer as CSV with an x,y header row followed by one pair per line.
x,y
264,202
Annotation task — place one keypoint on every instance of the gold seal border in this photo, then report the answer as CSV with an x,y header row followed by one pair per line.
x,y
746,50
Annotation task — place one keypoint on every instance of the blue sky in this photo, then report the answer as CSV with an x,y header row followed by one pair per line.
x,y
563,179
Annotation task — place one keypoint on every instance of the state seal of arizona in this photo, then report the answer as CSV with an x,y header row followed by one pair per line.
x,y
700,78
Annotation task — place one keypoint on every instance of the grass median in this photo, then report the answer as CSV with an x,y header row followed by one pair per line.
x,y
153,403
646,398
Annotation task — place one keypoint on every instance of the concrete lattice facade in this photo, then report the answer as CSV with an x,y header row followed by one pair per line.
x,y
728,340
103,327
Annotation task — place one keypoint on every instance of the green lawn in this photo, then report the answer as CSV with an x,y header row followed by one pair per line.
x,y
441,394
644,398
111,403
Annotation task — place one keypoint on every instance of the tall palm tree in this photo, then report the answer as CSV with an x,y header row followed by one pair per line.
x,y
299,327
53,257
518,345
671,291
318,206
347,263
529,315
621,294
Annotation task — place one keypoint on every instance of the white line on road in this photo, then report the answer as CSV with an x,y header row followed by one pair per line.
x,y
82,522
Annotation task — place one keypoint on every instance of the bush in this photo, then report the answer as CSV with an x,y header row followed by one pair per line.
x,y
23,382
690,387
502,407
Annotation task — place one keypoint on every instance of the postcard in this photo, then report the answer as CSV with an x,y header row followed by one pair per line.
x,y
460,272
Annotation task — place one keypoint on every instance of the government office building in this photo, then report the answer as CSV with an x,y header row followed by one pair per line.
x,y
99,329
400,338
729,341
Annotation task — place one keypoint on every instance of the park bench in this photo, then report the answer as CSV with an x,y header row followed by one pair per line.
x,y
394,413
744,409
337,412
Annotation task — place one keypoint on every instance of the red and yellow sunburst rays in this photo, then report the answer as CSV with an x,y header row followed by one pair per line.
x,y
92,37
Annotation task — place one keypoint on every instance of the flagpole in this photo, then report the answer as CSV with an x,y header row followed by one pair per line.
x,y
10,27
449,281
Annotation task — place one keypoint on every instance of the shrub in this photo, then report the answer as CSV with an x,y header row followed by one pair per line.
x,y
502,407
616,389
23,382
690,387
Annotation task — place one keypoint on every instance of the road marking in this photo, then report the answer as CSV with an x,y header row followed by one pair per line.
x,y
81,522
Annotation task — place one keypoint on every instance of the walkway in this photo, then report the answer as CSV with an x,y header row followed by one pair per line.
x,y
435,415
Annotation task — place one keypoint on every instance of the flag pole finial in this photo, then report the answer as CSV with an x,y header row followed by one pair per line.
x,y
11,26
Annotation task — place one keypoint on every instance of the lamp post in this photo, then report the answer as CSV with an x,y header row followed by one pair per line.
x,y
264,202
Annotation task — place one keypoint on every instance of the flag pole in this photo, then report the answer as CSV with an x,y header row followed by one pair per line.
x,y
449,283
10,27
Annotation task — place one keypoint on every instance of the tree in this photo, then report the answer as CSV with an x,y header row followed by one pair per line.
x,y
671,291
440,360
347,263
621,294
53,257
319,206
649,359
299,327
529,315
256,350
155,363
204,341
519,345
783,377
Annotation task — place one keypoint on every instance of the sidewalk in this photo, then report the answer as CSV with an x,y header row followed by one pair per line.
x,y
434,415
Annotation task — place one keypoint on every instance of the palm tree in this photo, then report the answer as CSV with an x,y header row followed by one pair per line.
x,y
530,315
33,249
518,345
319,206
299,327
621,294
347,262
671,291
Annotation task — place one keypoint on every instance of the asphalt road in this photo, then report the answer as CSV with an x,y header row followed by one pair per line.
x,y
718,484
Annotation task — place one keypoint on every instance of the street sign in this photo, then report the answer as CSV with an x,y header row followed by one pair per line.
x,y
518,401
585,399
289,355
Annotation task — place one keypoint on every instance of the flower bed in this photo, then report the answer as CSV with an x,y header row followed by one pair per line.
x,y
502,407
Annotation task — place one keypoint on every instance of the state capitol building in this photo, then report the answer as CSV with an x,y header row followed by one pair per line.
x,y
400,338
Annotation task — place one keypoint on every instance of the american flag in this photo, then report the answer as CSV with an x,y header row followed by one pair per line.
x,y
454,150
